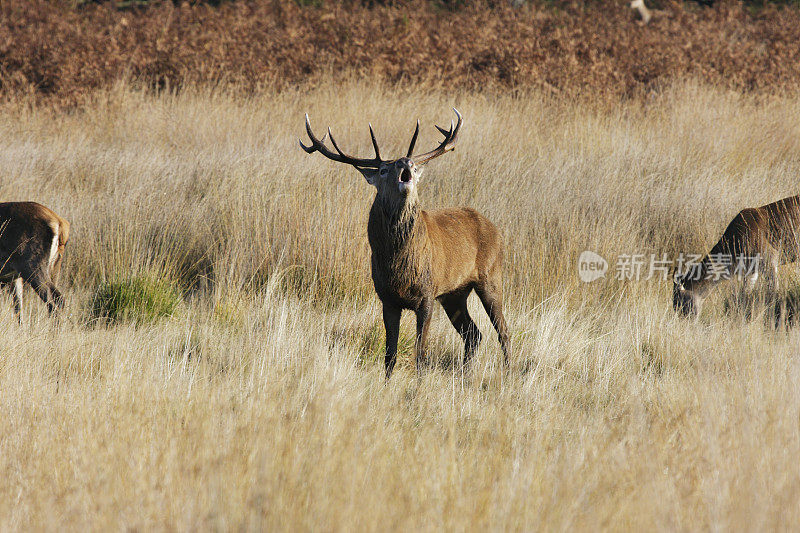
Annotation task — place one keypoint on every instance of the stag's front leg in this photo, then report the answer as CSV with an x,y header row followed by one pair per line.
x,y
775,296
423,322
391,323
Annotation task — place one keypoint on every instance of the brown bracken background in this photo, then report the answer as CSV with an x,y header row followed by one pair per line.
x,y
59,52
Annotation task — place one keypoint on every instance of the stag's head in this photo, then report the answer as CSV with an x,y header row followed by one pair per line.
x,y
395,179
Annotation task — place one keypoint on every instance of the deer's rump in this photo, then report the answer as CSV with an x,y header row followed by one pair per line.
x,y
29,233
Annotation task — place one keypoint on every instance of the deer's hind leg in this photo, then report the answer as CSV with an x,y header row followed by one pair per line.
x,y
47,291
37,273
15,287
455,305
491,295
35,265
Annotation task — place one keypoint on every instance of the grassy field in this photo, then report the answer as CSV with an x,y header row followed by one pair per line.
x,y
260,402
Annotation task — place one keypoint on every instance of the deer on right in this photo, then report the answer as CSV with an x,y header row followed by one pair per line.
x,y
762,238
420,256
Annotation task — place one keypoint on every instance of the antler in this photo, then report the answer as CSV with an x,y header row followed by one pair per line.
x,y
319,146
448,144
413,141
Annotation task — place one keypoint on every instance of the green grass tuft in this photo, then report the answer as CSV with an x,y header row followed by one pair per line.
x,y
139,300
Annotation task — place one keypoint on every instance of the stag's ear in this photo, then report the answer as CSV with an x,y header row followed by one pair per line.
x,y
371,175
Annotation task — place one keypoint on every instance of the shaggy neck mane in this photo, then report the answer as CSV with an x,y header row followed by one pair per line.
x,y
399,220
398,240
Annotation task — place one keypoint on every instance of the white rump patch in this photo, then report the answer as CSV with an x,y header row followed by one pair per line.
x,y
53,247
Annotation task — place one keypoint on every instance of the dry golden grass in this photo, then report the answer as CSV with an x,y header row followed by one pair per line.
x,y
261,403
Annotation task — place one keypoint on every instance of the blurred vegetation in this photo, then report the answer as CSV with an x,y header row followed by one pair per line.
x,y
443,4
591,48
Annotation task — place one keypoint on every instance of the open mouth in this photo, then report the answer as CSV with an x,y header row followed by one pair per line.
x,y
405,176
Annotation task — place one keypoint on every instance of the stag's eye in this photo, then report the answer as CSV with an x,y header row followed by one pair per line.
x,y
383,171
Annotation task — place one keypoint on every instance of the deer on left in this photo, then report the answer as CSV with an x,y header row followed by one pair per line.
x,y
32,241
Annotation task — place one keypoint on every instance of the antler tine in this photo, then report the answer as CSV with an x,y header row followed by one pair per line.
x,y
307,149
374,142
447,144
313,148
413,141
319,146
333,142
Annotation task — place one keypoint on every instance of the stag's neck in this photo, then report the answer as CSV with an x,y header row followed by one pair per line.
x,y
395,225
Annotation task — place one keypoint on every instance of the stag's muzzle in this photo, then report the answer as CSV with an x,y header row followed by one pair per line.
x,y
405,176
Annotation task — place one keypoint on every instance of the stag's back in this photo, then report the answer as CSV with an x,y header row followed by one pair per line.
x,y
770,229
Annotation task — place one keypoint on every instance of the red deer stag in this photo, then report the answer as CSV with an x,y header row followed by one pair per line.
x,y
420,256
32,241
755,243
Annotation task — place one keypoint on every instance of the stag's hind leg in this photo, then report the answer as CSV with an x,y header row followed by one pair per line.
x,y
46,289
455,305
15,287
16,292
491,295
